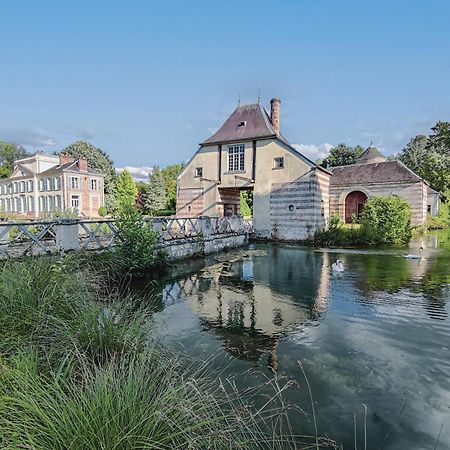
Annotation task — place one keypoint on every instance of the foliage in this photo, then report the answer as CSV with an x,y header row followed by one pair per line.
x,y
342,155
386,220
245,208
442,220
156,192
429,156
135,241
170,174
9,152
102,211
126,190
98,161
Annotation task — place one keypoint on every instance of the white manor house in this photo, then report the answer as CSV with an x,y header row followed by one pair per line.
x,y
42,184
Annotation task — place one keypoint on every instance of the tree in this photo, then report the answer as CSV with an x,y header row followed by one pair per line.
x,y
170,174
342,155
9,152
156,192
429,156
98,161
126,190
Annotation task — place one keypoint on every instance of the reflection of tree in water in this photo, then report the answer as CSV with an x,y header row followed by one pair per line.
x,y
382,273
436,286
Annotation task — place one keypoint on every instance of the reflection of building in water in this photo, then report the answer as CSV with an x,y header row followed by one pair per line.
x,y
252,301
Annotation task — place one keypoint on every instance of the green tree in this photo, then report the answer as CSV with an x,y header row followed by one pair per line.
x,y
9,152
342,155
126,190
170,174
98,161
429,156
157,191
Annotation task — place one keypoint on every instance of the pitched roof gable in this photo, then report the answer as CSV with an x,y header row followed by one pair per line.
x,y
245,122
381,172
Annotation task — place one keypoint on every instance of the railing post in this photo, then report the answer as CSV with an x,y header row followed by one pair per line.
x,y
157,225
205,226
67,235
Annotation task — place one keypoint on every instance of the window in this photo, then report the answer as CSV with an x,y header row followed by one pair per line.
x,y
429,209
58,202
74,182
236,155
22,186
15,187
279,163
94,185
199,171
30,186
75,201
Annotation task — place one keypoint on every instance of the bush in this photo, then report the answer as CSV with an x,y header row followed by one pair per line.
x,y
386,220
102,211
136,240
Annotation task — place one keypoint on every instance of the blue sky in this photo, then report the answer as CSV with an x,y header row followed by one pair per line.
x,y
147,81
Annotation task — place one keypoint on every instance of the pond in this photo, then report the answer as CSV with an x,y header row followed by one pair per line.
x,y
377,334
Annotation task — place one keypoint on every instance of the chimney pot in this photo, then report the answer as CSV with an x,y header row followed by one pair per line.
x,y
64,158
275,114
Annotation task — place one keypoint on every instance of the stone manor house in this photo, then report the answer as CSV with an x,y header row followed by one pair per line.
x,y
292,196
41,184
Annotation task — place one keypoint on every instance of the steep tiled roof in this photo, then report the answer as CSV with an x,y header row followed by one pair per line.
x,y
371,155
246,122
382,172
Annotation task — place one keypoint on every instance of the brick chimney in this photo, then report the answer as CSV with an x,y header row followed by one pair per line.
x,y
275,114
82,164
64,158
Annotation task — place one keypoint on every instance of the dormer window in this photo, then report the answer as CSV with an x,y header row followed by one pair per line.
x,y
199,172
242,124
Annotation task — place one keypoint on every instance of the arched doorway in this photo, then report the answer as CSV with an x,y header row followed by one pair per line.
x,y
354,204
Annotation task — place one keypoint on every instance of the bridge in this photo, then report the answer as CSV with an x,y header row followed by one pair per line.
x,y
179,237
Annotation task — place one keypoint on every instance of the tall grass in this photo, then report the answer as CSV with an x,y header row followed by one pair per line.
x,y
79,371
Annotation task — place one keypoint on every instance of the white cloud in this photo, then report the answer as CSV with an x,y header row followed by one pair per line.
x,y
138,173
28,136
313,151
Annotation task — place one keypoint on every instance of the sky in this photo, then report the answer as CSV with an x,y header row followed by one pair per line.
x,y
147,81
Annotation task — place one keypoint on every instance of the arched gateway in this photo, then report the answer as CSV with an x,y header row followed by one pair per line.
x,y
354,204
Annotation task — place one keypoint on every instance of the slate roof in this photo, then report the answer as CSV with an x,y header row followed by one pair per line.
x,y
382,172
257,125
71,166
371,155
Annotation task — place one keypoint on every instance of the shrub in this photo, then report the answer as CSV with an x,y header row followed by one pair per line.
x,y
386,220
102,211
136,239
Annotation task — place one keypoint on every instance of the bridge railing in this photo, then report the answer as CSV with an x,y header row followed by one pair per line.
x,y
36,237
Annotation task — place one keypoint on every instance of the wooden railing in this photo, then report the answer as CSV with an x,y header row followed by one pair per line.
x,y
49,236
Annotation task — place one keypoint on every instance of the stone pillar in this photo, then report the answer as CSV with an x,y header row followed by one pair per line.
x,y
205,226
67,235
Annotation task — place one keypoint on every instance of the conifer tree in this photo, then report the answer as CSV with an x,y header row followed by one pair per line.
x,y
126,191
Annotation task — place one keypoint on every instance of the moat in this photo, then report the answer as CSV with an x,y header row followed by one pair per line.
x,y
377,334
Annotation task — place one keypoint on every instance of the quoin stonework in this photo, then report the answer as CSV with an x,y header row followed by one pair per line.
x,y
292,196
42,184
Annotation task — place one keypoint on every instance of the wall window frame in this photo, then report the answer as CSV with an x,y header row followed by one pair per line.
x,y
236,158
198,172
74,182
75,202
278,162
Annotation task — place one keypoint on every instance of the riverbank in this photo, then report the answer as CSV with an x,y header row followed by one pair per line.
x,y
79,368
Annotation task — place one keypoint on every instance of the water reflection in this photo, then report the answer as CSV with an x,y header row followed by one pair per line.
x,y
376,334
250,304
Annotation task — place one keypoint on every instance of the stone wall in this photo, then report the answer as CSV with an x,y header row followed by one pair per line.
x,y
414,193
299,209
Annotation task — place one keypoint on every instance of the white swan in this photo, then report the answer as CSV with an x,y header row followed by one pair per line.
x,y
337,266
413,256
